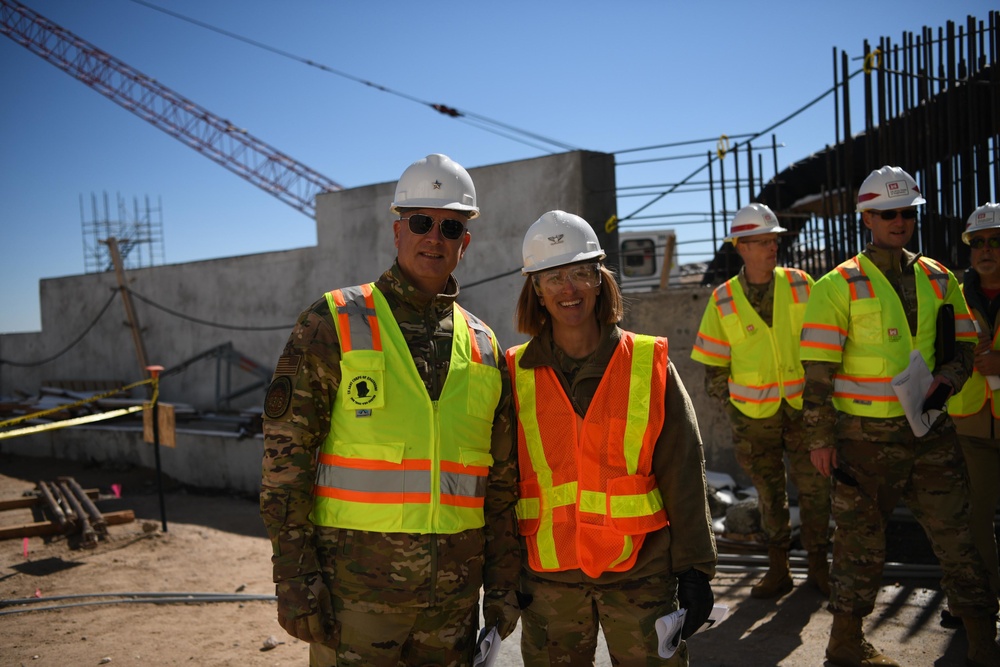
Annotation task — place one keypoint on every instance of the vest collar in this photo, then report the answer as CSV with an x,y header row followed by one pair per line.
x,y
541,350
890,261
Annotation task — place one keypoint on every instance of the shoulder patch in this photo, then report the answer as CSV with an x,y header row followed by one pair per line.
x,y
288,364
279,396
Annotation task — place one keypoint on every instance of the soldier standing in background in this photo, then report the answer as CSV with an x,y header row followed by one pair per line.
x,y
388,472
863,320
749,343
975,409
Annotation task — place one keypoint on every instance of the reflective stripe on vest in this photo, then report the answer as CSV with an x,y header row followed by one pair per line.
x,y
394,460
976,391
587,495
764,365
879,342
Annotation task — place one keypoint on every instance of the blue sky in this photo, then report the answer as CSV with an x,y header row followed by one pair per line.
x,y
595,75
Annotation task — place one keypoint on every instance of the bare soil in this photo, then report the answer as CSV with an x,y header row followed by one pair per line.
x,y
215,544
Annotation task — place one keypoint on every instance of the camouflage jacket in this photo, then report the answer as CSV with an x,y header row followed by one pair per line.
x,y
296,423
678,465
818,413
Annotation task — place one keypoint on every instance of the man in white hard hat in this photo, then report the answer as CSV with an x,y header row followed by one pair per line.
x,y
975,409
749,343
389,478
863,321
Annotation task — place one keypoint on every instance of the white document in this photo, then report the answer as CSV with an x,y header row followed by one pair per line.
x,y
911,388
487,648
994,381
668,628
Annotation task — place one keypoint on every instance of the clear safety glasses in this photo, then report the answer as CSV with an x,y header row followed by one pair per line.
x,y
583,276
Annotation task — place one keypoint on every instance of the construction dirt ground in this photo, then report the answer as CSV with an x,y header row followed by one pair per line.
x,y
215,553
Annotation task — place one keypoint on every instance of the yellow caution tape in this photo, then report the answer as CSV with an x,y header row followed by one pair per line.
x,y
722,147
873,57
66,406
75,421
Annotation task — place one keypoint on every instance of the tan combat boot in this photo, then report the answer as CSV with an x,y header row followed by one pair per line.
x,y
849,648
777,581
819,571
983,648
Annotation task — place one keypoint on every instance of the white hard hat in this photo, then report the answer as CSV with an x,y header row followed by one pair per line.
x,y
558,238
888,188
754,219
986,216
436,181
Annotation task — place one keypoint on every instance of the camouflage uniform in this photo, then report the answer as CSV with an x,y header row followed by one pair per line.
x,y
760,447
979,436
397,598
890,464
559,626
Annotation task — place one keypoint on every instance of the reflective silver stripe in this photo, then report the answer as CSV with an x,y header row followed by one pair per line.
x,y
969,327
483,338
935,274
794,388
862,285
712,347
374,481
800,286
824,337
724,300
878,388
754,394
358,313
458,484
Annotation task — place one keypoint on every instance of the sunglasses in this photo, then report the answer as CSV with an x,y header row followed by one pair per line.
x,y
979,242
583,276
420,224
907,213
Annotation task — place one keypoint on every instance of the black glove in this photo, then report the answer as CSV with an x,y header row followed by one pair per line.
x,y
694,593
305,609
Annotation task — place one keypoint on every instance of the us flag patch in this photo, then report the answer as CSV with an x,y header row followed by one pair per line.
x,y
288,364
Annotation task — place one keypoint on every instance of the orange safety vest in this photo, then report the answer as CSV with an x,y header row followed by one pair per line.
x,y
587,495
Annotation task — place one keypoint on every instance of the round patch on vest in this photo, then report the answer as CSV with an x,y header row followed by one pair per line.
x,y
362,390
279,395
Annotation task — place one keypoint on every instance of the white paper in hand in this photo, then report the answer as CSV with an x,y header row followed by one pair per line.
x,y
487,648
668,628
911,388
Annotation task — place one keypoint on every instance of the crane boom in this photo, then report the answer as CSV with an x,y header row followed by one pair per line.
x,y
218,139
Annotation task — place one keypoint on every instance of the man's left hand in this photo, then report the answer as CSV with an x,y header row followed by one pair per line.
x,y
694,592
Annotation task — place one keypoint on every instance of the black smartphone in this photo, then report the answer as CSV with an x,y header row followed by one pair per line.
x,y
937,399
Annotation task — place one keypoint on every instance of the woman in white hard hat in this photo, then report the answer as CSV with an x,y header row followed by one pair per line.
x,y
613,515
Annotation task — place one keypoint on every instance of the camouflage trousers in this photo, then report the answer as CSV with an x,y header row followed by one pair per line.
x,y
560,625
929,476
982,459
410,637
761,446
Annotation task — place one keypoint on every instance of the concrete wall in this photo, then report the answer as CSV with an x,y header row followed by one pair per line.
x,y
260,296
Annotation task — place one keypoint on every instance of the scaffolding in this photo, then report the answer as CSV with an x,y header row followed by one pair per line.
x,y
139,233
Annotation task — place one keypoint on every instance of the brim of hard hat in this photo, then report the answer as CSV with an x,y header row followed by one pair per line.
x,y
968,235
473,211
754,232
889,205
562,260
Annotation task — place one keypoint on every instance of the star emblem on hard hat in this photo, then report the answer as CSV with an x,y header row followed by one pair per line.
x,y
437,185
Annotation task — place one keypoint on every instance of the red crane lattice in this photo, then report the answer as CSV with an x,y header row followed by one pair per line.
x,y
218,139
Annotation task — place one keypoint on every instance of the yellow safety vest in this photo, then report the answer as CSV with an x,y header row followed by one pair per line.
x,y
871,340
976,391
394,460
587,494
763,361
